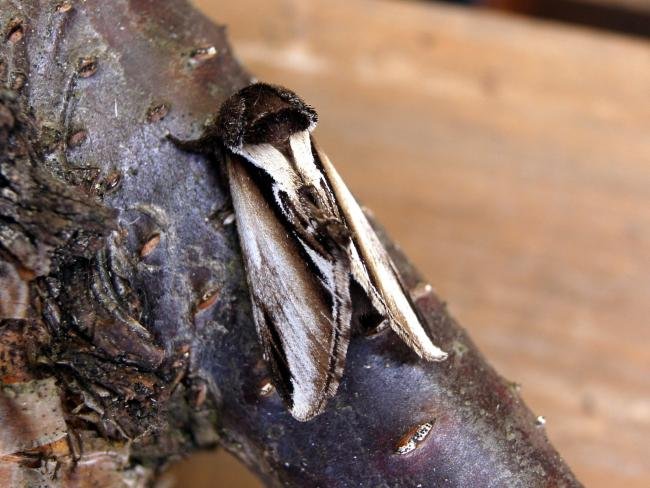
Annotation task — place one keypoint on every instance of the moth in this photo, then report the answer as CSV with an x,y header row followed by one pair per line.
x,y
315,267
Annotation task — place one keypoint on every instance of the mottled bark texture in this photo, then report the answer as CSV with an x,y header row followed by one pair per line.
x,y
124,305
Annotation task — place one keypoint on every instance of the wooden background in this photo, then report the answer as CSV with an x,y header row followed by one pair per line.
x,y
511,160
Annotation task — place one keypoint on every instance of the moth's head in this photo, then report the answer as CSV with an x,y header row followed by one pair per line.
x,y
263,113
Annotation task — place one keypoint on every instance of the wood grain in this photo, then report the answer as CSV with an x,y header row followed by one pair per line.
x,y
511,160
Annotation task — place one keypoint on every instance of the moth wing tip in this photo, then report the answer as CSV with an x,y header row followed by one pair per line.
x,y
428,351
305,413
421,344
433,353
306,409
441,356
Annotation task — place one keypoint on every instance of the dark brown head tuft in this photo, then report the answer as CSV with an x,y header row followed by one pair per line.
x,y
263,113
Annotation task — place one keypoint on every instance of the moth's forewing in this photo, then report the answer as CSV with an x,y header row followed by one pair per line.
x,y
384,276
304,330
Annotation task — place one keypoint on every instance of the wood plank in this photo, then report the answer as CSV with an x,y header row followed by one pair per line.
x,y
511,160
